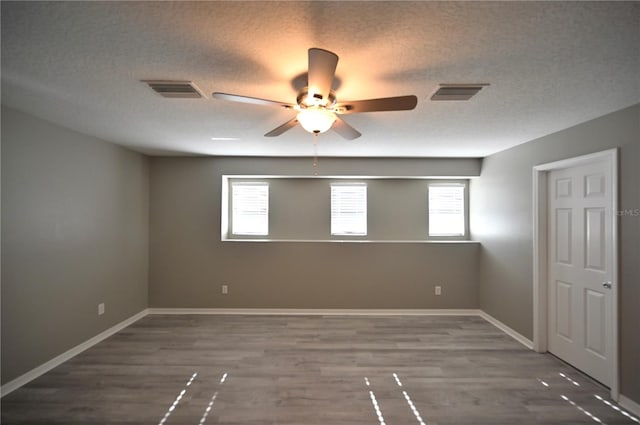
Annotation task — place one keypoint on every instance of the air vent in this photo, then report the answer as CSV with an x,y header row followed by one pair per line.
x,y
174,89
457,91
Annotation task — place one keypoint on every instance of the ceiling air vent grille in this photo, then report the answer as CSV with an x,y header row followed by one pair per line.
x,y
174,89
457,91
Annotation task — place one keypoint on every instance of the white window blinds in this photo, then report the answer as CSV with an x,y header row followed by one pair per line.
x,y
446,210
250,208
349,209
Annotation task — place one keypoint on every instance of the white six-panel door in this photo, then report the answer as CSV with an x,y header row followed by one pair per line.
x,y
580,268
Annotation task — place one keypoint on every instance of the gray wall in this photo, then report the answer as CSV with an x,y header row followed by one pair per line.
x,y
501,219
74,234
189,263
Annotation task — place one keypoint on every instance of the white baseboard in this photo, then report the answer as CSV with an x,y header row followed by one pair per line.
x,y
317,312
629,404
506,329
58,360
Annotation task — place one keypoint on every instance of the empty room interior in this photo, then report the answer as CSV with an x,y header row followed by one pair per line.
x,y
312,213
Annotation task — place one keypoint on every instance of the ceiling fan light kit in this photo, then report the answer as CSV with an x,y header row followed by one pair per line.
x,y
317,104
316,119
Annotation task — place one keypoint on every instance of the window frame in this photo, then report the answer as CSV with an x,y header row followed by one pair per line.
x,y
232,204
352,184
465,209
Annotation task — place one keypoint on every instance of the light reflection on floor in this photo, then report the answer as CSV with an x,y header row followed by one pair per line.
x,y
213,399
580,408
412,406
569,379
571,402
617,409
583,410
374,402
183,392
405,394
177,400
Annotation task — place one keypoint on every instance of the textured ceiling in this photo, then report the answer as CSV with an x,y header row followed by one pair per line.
x,y
550,65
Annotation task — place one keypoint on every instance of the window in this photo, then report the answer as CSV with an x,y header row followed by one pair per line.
x,y
349,209
446,209
250,208
275,208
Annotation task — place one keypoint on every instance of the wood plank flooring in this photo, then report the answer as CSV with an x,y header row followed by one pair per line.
x,y
311,370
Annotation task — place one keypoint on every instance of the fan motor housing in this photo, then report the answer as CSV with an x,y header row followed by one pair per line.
x,y
306,101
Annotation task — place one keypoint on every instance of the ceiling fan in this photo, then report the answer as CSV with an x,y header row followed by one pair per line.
x,y
317,105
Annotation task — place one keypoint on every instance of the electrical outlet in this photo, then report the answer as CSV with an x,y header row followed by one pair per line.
x,y
225,289
438,290
100,309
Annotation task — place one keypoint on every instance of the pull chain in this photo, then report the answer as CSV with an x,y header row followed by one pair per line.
x,y
315,154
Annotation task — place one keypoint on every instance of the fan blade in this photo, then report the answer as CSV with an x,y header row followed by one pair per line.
x,y
399,103
284,127
345,130
322,68
252,100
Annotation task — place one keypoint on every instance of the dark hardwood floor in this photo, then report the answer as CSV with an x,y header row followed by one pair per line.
x,y
311,370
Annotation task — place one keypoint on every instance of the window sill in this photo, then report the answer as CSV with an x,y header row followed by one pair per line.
x,y
407,241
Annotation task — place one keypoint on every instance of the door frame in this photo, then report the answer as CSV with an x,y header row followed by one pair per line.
x,y
540,300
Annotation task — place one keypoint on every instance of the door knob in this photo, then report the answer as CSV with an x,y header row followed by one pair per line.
x,y
606,285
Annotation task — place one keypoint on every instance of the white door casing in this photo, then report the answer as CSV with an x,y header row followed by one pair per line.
x,y
575,263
